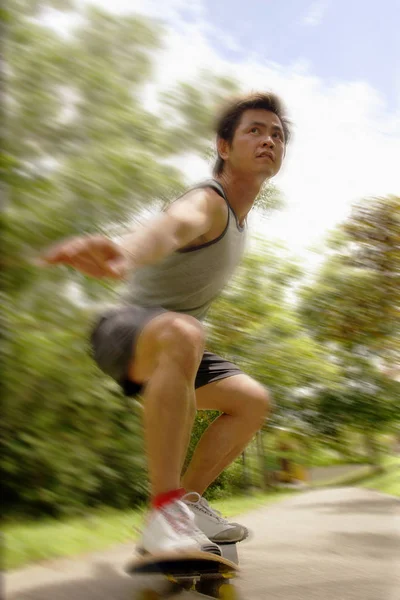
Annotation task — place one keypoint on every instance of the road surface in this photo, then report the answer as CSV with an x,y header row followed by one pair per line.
x,y
329,544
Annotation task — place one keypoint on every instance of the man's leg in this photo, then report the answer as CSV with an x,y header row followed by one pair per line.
x,y
163,361
245,405
166,358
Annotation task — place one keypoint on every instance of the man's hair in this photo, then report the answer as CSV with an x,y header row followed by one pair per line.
x,y
229,118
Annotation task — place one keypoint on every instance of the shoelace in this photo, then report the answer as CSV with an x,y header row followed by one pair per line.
x,y
173,519
204,504
182,521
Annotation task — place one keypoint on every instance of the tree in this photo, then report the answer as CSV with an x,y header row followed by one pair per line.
x,y
357,291
353,308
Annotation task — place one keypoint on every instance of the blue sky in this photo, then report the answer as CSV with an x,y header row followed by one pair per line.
x,y
345,40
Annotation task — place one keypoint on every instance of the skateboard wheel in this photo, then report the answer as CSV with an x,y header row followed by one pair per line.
x,y
215,588
209,587
227,592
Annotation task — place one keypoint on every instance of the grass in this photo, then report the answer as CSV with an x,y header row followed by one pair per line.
x,y
28,541
388,481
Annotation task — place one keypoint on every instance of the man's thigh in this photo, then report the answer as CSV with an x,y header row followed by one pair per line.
x,y
237,394
114,338
125,342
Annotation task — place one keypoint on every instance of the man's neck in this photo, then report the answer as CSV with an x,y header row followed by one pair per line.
x,y
241,192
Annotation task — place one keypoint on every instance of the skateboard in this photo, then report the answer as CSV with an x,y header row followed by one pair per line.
x,y
202,572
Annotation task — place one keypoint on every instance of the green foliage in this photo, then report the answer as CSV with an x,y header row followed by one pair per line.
x,y
229,483
356,297
386,480
353,308
192,108
67,438
367,399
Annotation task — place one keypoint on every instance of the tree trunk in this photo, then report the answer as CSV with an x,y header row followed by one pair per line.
x,y
263,472
246,477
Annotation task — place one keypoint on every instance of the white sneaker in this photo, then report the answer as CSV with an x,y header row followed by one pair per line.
x,y
212,523
172,528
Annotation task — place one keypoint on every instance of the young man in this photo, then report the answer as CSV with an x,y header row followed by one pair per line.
x,y
154,342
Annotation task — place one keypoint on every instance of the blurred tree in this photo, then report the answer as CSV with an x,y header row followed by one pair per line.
x,y
358,287
353,307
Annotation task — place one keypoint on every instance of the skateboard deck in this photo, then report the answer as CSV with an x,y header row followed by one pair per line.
x,y
205,573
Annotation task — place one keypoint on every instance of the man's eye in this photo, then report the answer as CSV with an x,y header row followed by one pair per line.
x,y
254,130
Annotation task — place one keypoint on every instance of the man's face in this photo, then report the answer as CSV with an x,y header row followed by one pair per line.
x,y
258,145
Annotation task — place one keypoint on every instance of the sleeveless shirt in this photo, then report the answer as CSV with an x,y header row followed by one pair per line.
x,y
189,280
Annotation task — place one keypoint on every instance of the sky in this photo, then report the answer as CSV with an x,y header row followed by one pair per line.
x,y
344,40
336,64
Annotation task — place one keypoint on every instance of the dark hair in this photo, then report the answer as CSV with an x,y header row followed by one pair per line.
x,y
229,118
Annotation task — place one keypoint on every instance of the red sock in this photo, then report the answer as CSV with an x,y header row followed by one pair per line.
x,y
163,499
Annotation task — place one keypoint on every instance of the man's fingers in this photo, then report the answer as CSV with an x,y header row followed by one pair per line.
x,y
92,269
62,252
108,257
95,256
68,250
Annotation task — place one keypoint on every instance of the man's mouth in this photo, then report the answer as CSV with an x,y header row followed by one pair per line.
x,y
265,154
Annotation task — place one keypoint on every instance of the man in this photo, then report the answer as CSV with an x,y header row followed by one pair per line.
x,y
154,342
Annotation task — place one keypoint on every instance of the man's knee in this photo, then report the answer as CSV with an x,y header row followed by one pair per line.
x,y
182,338
263,404
168,337
258,403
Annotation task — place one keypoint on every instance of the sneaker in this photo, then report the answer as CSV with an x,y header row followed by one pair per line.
x,y
172,528
212,523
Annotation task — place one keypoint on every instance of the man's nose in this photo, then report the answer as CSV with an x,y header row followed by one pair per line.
x,y
269,141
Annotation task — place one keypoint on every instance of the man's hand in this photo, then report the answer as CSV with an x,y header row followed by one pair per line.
x,y
94,255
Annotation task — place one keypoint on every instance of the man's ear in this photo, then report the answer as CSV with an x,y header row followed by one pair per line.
x,y
223,148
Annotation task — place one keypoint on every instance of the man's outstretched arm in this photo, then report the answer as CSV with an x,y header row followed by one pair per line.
x,y
98,256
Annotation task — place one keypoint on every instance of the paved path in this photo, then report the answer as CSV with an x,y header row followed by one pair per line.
x,y
334,472
330,544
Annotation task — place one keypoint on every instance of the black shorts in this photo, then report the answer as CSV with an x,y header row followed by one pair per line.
x,y
113,341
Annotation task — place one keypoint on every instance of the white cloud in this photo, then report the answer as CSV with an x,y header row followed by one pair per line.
x,y
315,13
224,38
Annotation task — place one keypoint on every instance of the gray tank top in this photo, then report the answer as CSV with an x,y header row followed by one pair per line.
x,y
189,280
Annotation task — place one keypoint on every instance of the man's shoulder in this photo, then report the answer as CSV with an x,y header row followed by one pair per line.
x,y
208,193
212,184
